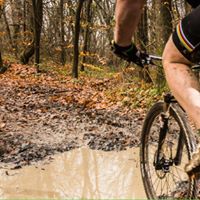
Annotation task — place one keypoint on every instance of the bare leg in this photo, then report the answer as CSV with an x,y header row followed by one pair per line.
x,y
127,14
182,82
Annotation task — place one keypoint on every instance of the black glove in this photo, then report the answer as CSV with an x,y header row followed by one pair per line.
x,y
129,53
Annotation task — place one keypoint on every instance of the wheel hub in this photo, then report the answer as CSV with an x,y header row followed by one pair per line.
x,y
162,165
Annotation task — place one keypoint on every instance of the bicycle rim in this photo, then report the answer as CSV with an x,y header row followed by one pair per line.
x,y
174,183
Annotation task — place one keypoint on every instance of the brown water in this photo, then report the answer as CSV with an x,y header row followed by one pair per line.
x,y
81,173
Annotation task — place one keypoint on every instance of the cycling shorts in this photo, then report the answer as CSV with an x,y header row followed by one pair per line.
x,y
186,37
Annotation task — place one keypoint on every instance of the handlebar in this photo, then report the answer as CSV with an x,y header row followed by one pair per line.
x,y
155,57
148,59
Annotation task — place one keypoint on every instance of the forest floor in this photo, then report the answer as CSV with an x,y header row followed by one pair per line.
x,y
42,114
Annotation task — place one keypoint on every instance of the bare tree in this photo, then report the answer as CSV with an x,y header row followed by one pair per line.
x,y
28,26
76,39
166,20
65,29
38,18
86,33
142,40
2,67
63,53
1,60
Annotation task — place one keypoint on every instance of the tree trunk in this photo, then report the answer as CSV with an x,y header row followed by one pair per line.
x,y
29,50
76,39
9,33
142,34
16,14
166,20
142,37
165,32
2,68
24,18
63,53
38,17
86,33
1,60
27,53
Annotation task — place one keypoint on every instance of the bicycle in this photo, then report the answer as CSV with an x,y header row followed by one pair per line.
x,y
167,143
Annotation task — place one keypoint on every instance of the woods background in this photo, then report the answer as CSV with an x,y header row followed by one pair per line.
x,y
78,33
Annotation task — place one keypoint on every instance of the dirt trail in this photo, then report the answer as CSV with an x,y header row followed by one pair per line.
x,y
36,120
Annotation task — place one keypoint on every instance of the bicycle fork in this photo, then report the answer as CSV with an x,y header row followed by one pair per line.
x,y
160,162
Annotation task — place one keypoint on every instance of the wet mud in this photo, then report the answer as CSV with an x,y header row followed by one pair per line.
x,y
79,174
53,148
33,126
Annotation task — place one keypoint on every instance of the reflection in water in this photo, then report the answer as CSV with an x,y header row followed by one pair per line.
x,y
81,173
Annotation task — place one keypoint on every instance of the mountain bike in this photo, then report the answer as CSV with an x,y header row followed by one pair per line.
x,y
167,143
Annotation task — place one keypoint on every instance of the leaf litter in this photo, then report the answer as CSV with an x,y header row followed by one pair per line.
x,y
43,114
48,113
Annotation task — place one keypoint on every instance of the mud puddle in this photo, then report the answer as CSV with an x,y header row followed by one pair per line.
x,y
80,173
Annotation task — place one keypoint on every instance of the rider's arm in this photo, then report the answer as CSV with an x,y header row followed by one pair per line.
x,y
127,15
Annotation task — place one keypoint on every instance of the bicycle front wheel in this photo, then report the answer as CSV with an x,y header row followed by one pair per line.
x,y
168,179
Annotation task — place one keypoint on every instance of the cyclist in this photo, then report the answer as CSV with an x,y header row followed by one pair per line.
x,y
181,51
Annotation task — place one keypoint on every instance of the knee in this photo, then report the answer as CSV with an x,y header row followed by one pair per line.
x,y
172,55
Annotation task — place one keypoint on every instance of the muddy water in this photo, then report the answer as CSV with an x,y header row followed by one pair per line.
x,y
81,173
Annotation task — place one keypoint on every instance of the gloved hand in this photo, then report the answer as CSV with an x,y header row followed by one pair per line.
x,y
129,53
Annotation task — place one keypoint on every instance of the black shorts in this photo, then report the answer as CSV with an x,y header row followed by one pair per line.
x,y
186,37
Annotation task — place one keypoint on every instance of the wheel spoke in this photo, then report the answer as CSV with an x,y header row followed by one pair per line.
x,y
160,183
167,179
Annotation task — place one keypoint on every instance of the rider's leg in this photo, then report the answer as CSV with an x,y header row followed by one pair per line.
x,y
185,88
182,82
182,47
124,27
